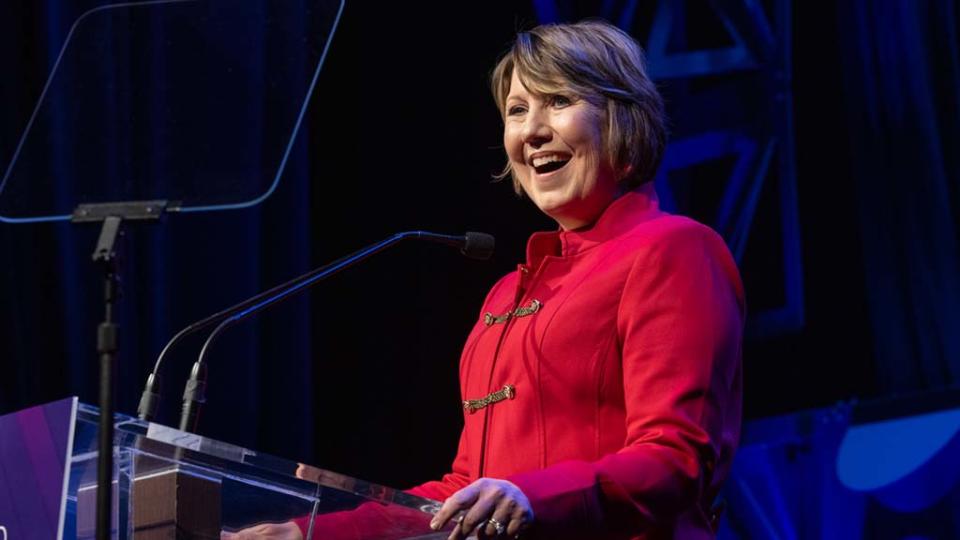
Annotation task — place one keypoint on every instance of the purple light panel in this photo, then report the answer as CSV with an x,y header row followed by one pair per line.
x,y
34,451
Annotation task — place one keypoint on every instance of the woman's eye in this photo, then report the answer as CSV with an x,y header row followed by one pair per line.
x,y
516,109
560,101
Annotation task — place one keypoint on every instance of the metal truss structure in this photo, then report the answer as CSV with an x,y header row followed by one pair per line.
x,y
724,67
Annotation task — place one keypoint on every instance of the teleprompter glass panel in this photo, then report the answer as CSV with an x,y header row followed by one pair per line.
x,y
194,101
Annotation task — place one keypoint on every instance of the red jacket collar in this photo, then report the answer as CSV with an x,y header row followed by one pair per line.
x,y
623,214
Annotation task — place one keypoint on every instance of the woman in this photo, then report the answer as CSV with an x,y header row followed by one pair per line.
x,y
601,383
617,343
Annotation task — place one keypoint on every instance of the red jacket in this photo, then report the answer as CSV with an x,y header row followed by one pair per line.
x,y
621,347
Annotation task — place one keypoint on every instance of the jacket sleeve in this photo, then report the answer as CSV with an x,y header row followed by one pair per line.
x,y
679,324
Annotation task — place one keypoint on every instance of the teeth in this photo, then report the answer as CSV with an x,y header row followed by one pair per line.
x,y
543,160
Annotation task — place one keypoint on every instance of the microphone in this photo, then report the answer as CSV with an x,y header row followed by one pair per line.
x,y
474,245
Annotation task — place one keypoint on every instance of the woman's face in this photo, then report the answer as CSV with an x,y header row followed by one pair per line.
x,y
554,143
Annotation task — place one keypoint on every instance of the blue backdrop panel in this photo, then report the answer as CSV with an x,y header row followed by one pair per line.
x,y
821,474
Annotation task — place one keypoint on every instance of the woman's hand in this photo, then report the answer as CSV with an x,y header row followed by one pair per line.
x,y
267,531
486,503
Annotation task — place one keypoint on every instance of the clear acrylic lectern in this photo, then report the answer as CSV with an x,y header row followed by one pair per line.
x,y
173,484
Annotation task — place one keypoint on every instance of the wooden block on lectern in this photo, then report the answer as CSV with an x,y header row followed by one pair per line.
x,y
174,505
167,505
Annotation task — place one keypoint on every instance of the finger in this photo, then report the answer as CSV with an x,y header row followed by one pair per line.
x,y
449,508
245,534
276,531
514,528
458,533
480,511
454,503
520,519
502,514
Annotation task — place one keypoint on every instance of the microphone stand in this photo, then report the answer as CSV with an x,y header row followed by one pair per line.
x,y
112,215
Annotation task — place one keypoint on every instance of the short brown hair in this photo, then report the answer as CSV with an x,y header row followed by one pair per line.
x,y
604,65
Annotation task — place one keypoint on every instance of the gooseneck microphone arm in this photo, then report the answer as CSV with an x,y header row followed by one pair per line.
x,y
473,245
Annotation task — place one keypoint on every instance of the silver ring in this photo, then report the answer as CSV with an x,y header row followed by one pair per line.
x,y
500,527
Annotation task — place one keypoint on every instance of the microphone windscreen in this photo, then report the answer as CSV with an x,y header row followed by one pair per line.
x,y
478,245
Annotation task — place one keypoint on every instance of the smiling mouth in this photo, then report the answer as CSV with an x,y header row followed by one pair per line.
x,y
555,165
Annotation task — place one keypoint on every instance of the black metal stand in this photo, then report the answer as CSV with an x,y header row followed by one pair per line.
x,y
106,257
112,215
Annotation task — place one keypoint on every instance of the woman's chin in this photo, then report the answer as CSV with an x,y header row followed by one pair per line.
x,y
550,202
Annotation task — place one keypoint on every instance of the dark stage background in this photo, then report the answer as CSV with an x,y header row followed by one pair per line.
x,y
360,374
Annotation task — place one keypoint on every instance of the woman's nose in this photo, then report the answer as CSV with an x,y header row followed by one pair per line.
x,y
536,130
